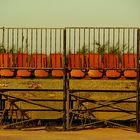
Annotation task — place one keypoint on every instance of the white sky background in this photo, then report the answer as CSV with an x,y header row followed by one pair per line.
x,y
61,13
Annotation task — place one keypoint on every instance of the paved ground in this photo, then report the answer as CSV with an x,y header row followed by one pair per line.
x,y
97,134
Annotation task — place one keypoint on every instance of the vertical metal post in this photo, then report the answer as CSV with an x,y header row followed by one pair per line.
x,y
0,102
68,102
138,79
3,46
64,80
67,95
41,46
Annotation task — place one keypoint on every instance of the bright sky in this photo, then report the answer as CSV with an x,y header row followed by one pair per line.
x,y
61,13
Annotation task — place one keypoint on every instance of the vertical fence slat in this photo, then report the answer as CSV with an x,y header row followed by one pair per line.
x,y
64,81
138,82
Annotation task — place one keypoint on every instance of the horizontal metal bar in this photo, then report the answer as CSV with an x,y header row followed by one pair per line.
x,y
29,28
101,27
82,27
28,68
70,90
88,68
100,90
108,101
112,68
56,100
74,110
105,110
46,90
69,69
34,110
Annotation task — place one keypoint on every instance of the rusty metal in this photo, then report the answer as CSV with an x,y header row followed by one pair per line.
x,y
79,42
138,82
31,42
79,38
65,82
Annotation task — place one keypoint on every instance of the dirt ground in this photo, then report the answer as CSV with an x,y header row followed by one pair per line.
x,y
96,134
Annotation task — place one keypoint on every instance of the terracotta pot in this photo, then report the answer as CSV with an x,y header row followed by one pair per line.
x,y
41,73
77,73
6,60
56,61
94,61
129,60
22,60
76,60
113,74
39,60
23,73
111,61
7,73
130,74
95,73
57,73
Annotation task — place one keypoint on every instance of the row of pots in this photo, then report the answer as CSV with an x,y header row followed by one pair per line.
x,y
74,60
34,60
74,73
105,61
107,74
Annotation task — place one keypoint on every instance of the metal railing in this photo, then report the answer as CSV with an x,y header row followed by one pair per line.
x,y
31,48
75,48
102,48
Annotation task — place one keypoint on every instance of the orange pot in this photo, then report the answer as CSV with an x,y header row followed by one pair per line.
x,y
56,61
39,60
130,74
41,73
94,61
7,73
77,73
22,60
57,73
95,73
76,60
111,61
113,74
6,60
129,60
23,73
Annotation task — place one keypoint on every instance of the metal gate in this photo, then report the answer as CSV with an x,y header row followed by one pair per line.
x,y
29,59
102,53
94,60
